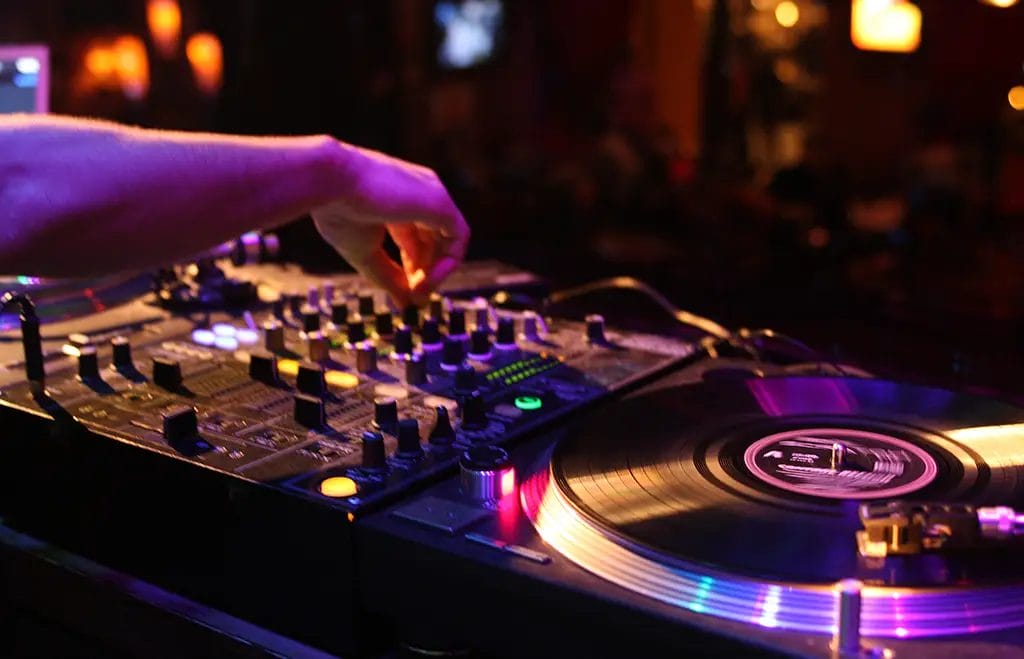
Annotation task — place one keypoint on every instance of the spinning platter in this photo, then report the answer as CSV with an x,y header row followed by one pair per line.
x,y
742,498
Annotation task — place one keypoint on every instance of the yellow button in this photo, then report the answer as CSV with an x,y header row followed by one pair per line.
x,y
338,487
341,379
288,367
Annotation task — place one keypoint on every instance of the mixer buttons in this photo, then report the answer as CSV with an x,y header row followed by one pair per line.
x,y
452,354
482,315
356,329
263,368
374,457
385,413
310,319
457,322
505,337
313,297
442,434
595,329
465,379
273,333
310,379
403,341
367,304
384,324
415,371
409,440
121,348
179,423
480,345
430,335
295,304
411,317
167,373
309,411
366,357
486,473
437,307
88,363
474,414
318,347
339,313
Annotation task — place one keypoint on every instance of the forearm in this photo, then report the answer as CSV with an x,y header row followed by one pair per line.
x,y
80,197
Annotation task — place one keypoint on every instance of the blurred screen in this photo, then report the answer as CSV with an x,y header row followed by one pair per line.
x,y
23,79
470,31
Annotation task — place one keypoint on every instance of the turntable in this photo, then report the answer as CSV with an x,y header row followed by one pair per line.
x,y
730,510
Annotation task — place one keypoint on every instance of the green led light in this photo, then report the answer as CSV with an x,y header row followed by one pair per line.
x,y
528,403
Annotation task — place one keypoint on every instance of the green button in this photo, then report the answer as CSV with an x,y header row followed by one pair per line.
x,y
528,403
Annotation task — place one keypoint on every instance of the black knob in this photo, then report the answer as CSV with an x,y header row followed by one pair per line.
x,y
310,319
465,379
374,458
310,379
318,348
415,371
367,305
384,323
309,411
482,314
295,303
167,373
431,333
452,355
366,358
409,439
411,317
88,363
442,434
122,349
480,344
263,368
273,336
506,334
457,322
385,413
356,330
403,341
180,422
339,312
474,415
595,328
437,307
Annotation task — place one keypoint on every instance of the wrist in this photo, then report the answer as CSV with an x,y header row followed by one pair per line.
x,y
333,167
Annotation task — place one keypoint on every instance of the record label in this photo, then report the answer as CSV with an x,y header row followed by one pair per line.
x,y
840,463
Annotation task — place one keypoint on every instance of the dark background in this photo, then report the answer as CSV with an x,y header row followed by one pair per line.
x,y
868,203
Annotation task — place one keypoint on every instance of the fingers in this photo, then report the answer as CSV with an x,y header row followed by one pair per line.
x,y
381,270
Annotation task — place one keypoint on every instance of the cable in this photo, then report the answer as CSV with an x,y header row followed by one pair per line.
x,y
31,340
705,325
748,336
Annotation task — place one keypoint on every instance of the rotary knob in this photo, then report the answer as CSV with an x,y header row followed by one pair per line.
x,y
431,333
122,350
356,329
482,315
465,379
88,363
367,305
310,319
452,354
318,347
437,307
374,457
411,317
457,322
339,313
273,336
409,439
505,337
366,358
486,473
442,434
415,370
309,411
385,413
403,341
474,414
595,329
384,323
313,297
480,345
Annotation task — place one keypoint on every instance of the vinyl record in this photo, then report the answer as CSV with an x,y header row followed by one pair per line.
x,y
762,477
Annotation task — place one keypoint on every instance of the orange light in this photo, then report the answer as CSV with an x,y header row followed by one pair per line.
x,y
132,66
1002,4
1016,97
338,487
508,482
787,13
164,19
886,25
207,59
100,62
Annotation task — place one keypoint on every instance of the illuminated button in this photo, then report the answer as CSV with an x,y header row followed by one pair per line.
x,y
223,329
203,337
247,337
288,367
226,342
338,487
341,379
528,403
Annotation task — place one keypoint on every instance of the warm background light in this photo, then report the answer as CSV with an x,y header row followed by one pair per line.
x,y
164,19
886,25
207,60
132,66
787,13
1016,97
1000,3
101,63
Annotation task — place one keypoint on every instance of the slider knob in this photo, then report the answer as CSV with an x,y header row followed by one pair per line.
x,y
88,363
356,329
273,336
403,341
474,415
385,413
374,458
415,370
384,323
310,379
409,439
442,434
486,473
263,368
366,358
180,422
122,349
167,373
595,329
309,411
310,319
339,312
452,354
506,334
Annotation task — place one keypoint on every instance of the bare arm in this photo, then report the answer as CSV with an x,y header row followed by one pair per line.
x,y
82,197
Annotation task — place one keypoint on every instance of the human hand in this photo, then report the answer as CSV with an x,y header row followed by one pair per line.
x,y
385,195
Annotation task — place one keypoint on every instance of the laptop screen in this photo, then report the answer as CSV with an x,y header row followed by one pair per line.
x,y
24,79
